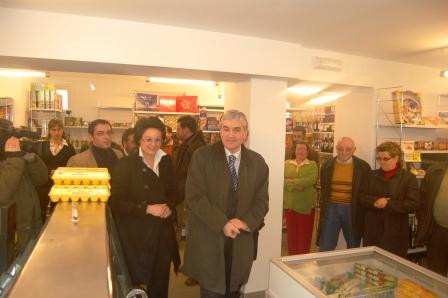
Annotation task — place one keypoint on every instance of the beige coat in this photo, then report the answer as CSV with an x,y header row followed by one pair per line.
x,y
86,159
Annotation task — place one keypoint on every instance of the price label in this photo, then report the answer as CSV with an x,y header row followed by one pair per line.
x,y
412,157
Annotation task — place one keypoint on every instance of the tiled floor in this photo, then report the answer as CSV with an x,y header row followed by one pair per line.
x,y
177,288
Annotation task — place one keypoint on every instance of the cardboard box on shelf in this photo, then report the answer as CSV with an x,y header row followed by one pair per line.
x,y
145,102
167,103
187,104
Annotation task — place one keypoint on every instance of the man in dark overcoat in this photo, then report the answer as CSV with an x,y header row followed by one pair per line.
x,y
432,216
191,137
227,200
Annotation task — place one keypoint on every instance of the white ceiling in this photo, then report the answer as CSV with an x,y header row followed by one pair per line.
x,y
409,31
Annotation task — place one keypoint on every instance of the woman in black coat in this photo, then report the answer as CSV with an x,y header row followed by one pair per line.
x,y
389,197
55,154
142,201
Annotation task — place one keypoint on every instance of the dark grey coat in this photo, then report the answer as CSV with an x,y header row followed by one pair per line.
x,y
207,192
428,192
18,179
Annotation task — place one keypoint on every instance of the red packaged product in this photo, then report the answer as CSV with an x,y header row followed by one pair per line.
x,y
187,104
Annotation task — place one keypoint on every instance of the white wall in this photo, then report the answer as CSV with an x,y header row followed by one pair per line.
x,y
17,89
355,118
68,37
263,101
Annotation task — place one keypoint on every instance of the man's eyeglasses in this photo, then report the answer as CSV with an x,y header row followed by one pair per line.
x,y
383,158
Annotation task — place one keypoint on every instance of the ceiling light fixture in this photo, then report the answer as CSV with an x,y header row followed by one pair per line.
x,y
181,81
305,90
325,98
16,73
444,73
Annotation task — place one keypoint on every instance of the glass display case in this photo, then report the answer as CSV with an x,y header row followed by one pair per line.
x,y
359,272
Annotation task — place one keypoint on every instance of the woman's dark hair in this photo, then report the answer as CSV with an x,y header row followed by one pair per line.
x,y
188,121
144,123
126,134
55,123
393,148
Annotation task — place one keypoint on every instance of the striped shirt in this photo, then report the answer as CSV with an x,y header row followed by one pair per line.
x,y
341,183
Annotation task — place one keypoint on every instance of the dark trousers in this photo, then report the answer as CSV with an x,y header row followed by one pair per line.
x,y
438,250
158,285
228,257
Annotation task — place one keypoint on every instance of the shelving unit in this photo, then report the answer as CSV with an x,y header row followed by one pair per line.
x,y
170,117
319,123
387,129
164,113
39,118
6,106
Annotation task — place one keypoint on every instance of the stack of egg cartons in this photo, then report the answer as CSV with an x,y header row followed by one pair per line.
x,y
80,184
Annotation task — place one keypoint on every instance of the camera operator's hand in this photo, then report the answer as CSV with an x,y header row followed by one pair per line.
x,y
12,145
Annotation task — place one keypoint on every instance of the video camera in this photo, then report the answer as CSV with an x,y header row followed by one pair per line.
x,y
29,141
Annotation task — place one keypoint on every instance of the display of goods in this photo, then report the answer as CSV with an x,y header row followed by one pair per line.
x,y
82,193
213,124
203,119
407,146
187,104
167,103
5,112
44,96
73,121
121,124
145,102
363,281
433,120
443,145
443,115
81,176
289,124
407,107
171,121
409,289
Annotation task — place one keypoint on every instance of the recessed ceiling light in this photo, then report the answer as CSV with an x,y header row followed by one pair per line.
x,y
180,81
18,73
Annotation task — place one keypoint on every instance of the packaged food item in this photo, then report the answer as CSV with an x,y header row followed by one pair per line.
x,y
409,289
81,176
77,193
187,104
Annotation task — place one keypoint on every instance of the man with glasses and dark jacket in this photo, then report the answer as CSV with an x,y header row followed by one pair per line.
x,y
341,179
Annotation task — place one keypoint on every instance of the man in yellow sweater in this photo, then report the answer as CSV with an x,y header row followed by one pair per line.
x,y
341,179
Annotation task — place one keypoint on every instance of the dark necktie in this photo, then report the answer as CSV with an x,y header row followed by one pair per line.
x,y
232,171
